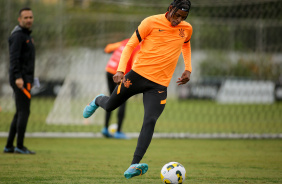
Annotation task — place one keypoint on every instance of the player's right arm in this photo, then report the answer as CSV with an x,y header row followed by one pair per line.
x,y
119,77
127,51
140,34
15,47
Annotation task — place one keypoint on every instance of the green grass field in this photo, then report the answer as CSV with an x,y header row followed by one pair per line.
x,y
193,116
104,161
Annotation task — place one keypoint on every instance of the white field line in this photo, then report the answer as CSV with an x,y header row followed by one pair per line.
x,y
156,135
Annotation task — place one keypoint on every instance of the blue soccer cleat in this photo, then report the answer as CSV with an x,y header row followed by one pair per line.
x,y
136,170
91,108
120,135
9,150
24,150
106,133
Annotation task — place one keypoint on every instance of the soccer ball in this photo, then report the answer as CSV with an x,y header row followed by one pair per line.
x,y
112,129
173,172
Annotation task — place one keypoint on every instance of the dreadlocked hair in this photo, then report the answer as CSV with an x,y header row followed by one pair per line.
x,y
180,4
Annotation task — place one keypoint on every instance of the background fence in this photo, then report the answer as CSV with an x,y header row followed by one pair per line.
x,y
236,84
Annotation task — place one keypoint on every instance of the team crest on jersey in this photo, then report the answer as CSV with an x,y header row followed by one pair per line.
x,y
127,83
181,33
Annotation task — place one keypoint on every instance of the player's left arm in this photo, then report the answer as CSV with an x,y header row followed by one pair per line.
x,y
185,77
186,51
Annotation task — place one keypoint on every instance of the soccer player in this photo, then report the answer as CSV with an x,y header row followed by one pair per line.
x,y
162,39
22,60
111,69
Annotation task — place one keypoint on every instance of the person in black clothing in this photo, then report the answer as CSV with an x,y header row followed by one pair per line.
x,y
21,74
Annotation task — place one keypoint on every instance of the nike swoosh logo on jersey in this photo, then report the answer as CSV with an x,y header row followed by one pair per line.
x,y
161,30
160,91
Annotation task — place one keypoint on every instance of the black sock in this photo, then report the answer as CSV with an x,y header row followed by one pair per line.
x,y
136,159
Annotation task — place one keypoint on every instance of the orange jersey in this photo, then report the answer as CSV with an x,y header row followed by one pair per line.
x,y
111,47
161,45
118,47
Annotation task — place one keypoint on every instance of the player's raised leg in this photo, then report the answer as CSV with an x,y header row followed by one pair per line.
x,y
91,107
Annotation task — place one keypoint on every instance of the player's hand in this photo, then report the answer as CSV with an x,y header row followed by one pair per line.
x,y
119,77
184,78
20,83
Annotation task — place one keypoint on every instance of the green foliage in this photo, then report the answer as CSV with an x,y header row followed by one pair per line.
x,y
260,67
101,161
63,25
214,37
263,10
